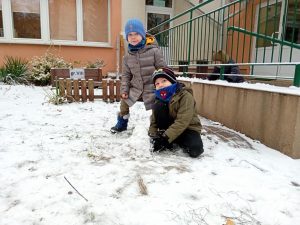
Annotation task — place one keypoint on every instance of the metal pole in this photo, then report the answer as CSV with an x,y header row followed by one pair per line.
x,y
297,76
222,70
190,38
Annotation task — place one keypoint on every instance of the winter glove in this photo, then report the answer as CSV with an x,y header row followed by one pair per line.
x,y
160,143
156,134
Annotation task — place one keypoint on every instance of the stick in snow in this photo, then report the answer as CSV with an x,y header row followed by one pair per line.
x,y
75,189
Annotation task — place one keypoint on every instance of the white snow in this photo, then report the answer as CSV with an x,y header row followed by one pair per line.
x,y
293,90
41,144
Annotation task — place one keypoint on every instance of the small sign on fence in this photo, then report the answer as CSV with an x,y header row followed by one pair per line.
x,y
77,74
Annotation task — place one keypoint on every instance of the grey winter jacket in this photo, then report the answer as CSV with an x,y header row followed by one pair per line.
x,y
137,70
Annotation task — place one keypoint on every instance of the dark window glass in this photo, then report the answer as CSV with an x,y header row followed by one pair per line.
x,y
153,19
292,30
26,19
160,3
268,24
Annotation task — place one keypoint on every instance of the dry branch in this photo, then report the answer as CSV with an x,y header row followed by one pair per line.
x,y
75,189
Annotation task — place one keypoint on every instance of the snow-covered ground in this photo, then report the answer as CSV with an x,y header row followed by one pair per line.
x,y
43,146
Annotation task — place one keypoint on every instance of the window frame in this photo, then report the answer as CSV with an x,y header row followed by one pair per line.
x,y
159,10
45,27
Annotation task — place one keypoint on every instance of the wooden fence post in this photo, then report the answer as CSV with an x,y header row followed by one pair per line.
x,y
118,90
61,87
104,89
111,90
100,74
76,90
83,91
91,89
69,90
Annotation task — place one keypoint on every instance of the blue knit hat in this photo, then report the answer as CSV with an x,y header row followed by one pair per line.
x,y
135,25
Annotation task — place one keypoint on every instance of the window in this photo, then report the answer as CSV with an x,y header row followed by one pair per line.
x,y
95,20
64,22
268,24
158,11
292,29
153,19
160,3
62,15
26,19
1,20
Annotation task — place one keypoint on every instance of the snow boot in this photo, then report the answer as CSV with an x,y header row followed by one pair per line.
x,y
121,124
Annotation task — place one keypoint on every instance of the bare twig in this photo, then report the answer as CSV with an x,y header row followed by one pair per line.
x,y
257,167
75,189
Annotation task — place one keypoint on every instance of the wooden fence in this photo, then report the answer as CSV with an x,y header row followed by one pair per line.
x,y
82,90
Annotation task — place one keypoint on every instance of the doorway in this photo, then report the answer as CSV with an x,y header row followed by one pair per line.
x,y
158,11
277,19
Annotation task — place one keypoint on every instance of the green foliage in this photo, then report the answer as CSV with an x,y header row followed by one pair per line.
x,y
41,66
2,74
98,63
14,71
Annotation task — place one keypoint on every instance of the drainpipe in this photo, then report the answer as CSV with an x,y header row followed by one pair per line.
x,y
118,56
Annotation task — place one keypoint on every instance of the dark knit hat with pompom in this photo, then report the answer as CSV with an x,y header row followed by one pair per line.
x,y
164,72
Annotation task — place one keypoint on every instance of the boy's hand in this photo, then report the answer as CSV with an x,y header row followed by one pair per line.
x,y
124,95
160,143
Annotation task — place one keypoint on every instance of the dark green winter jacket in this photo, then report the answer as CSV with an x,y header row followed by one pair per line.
x,y
182,108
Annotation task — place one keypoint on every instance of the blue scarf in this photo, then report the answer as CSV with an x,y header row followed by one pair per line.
x,y
165,94
134,48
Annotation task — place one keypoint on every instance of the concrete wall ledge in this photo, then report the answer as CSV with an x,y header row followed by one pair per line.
x,y
270,115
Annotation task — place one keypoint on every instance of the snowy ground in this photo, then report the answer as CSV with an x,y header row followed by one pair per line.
x,y
124,183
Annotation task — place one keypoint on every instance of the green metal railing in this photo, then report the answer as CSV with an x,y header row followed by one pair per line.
x,y
262,36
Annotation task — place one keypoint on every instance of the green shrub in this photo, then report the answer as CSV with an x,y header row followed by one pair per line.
x,y
14,71
41,66
2,74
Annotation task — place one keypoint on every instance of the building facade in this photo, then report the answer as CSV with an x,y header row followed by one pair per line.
x,y
78,30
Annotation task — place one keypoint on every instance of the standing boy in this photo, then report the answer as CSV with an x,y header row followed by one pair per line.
x,y
142,59
174,118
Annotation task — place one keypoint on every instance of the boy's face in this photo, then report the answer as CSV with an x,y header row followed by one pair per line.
x,y
161,82
134,38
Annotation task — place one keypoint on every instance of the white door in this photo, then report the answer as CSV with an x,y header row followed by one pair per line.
x,y
269,18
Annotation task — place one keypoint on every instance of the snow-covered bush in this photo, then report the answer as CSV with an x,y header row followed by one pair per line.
x,y
41,66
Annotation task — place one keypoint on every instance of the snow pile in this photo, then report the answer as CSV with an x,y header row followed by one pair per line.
x,y
257,86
